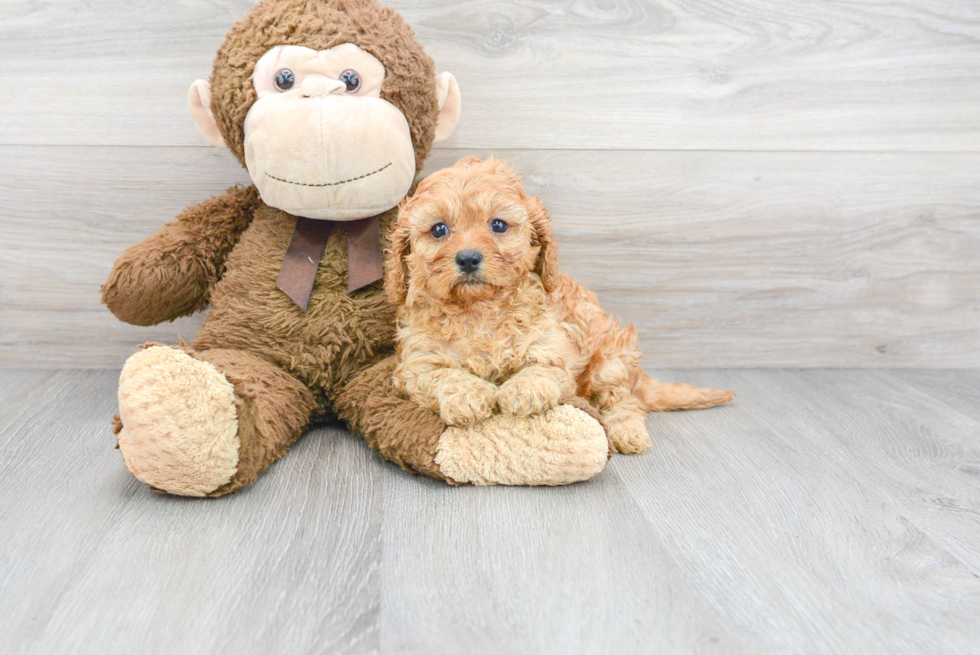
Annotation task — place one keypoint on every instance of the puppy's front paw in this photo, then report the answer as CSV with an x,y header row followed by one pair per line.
x,y
528,395
468,402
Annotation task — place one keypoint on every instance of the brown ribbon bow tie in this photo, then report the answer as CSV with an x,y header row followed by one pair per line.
x,y
299,267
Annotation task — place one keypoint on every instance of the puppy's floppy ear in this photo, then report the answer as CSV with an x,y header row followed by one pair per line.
x,y
547,265
396,273
396,266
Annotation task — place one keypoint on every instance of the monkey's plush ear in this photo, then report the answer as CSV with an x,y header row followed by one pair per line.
x,y
450,105
199,101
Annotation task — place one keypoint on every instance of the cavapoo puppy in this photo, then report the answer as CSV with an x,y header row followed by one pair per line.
x,y
487,321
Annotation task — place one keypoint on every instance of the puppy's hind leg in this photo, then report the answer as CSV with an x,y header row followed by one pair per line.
x,y
624,416
611,391
626,426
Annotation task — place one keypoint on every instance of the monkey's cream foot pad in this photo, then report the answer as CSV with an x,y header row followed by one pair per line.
x,y
561,446
180,425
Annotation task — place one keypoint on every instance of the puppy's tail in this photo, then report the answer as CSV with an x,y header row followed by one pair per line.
x,y
663,397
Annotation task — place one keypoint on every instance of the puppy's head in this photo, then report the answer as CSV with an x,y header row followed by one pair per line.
x,y
469,233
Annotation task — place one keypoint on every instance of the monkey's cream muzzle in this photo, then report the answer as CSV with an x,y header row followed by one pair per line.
x,y
317,148
333,157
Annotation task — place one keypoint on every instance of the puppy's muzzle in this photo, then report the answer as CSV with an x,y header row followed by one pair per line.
x,y
468,261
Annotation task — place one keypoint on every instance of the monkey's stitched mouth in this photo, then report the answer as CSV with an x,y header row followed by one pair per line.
x,y
353,179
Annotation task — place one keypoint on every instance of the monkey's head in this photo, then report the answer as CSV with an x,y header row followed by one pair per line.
x,y
331,105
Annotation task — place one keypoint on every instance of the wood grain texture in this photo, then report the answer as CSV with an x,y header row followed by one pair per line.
x,y
565,570
555,74
918,454
721,259
821,512
92,562
781,508
959,390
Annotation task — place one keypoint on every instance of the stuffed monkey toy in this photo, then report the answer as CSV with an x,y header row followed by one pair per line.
x,y
332,106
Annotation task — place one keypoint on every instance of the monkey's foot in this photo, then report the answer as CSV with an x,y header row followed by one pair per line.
x,y
179,422
561,446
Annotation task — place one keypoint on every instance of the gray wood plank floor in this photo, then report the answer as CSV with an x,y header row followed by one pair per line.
x,y
822,512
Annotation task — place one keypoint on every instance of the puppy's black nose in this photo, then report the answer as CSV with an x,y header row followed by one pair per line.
x,y
469,260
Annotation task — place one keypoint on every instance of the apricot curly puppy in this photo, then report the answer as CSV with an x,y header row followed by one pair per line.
x,y
487,321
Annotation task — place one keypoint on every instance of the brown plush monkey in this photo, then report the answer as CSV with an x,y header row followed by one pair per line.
x,y
333,106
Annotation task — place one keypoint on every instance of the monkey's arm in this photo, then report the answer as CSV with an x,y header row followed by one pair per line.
x,y
171,273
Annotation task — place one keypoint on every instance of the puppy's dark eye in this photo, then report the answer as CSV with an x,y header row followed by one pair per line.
x,y
351,79
499,226
439,230
285,79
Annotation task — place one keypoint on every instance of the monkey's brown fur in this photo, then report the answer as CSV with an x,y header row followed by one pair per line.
x,y
514,334
287,366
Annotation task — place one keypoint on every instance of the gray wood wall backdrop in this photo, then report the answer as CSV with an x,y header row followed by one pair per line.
x,y
762,183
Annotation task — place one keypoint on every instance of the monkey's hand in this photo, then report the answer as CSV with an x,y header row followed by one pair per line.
x,y
171,273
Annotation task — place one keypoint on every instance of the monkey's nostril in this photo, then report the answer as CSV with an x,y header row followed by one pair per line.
x,y
469,261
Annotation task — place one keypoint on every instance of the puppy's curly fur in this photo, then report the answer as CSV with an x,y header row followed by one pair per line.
x,y
510,333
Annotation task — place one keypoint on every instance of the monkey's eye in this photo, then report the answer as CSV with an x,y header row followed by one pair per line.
x,y
439,230
499,226
351,79
285,79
